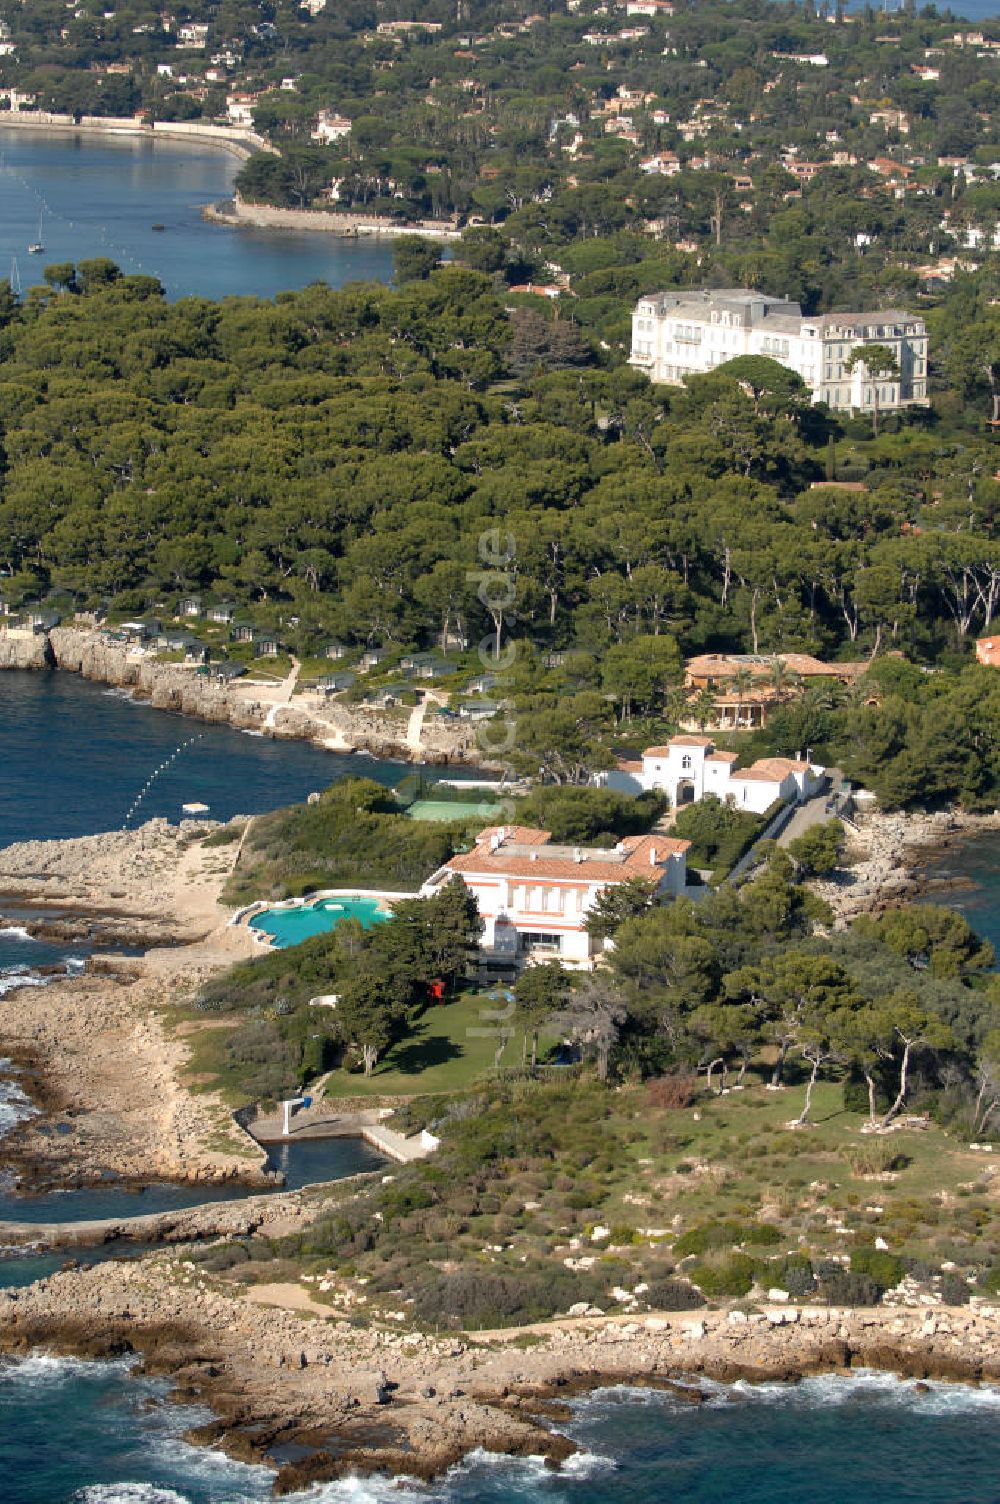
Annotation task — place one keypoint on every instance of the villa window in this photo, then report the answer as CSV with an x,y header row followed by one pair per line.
x,y
686,763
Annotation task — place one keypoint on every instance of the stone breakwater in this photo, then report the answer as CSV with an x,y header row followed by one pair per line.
x,y
346,223
192,1224
363,1399
174,687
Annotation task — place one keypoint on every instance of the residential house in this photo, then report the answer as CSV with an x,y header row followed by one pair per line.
x,y
330,127
373,658
746,686
988,651
688,767
666,164
335,684
384,698
190,606
477,710
534,896
265,644
336,651
223,613
240,108
224,672
193,34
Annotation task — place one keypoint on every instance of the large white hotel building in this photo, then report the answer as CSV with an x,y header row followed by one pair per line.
x,y
677,334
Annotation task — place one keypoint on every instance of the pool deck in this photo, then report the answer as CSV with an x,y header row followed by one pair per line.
x,y
242,918
322,1121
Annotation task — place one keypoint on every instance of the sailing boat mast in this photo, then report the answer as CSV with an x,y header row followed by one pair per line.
x,y
39,245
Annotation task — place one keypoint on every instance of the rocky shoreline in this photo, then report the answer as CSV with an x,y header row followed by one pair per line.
x,y
885,857
330,724
404,1402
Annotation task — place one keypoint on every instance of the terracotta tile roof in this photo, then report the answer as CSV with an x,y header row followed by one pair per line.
x,y
520,835
723,757
759,665
772,769
625,765
632,859
690,741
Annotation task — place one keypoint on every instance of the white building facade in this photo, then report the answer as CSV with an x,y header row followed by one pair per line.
x,y
688,767
678,334
534,896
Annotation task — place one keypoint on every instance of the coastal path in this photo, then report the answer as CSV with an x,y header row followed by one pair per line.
x,y
283,695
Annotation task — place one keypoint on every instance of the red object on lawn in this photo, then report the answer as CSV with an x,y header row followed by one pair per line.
x,y
436,991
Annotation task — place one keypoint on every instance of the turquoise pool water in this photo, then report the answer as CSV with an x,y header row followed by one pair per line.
x,y
290,926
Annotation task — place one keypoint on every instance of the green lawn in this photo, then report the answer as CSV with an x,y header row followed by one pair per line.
x,y
442,1053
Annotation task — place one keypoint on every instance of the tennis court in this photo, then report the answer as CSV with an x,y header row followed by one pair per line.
x,y
453,809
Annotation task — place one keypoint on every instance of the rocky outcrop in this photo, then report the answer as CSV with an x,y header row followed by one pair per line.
x,y
280,1368
170,686
25,650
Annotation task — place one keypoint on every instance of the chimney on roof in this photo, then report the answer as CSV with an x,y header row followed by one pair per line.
x,y
652,856
577,854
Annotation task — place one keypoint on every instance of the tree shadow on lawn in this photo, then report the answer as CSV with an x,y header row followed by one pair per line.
x,y
421,1054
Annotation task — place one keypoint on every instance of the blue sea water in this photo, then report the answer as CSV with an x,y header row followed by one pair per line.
x,y
101,196
975,864
74,756
85,1433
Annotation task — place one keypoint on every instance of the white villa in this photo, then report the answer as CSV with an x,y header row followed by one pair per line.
x,y
689,767
534,896
683,333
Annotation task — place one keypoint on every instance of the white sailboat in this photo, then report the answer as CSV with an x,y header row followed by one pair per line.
x,y
37,246
15,277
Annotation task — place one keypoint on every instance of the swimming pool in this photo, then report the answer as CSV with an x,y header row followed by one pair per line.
x,y
290,926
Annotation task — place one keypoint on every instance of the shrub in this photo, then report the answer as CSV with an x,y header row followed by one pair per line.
x,y
794,1274
874,1157
725,1235
886,1269
989,1280
224,837
728,1279
223,1256
954,1290
479,1298
673,1295
844,1287
669,1093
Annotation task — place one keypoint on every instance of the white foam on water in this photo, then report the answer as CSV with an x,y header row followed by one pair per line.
x,y
75,964
19,976
354,1490
15,1105
128,1493
44,1369
14,932
937,1398
587,1465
